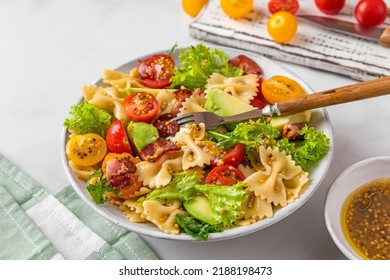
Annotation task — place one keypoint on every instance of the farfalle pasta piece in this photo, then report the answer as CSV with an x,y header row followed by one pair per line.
x,y
106,98
163,216
243,87
165,99
194,103
120,80
159,173
257,208
133,211
81,172
281,181
195,151
246,170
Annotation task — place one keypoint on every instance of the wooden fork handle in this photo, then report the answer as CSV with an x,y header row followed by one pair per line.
x,y
354,92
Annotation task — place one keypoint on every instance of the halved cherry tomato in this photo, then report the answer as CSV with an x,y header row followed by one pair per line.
x,y
247,64
280,88
236,8
193,7
86,149
141,106
330,7
116,138
123,180
371,12
291,6
258,101
282,26
232,156
225,175
156,71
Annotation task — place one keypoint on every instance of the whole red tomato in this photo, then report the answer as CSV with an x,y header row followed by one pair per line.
x,y
330,6
371,12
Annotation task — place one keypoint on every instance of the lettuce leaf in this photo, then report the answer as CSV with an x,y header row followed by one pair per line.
x,y
305,153
98,186
225,201
196,228
87,118
252,134
198,63
181,187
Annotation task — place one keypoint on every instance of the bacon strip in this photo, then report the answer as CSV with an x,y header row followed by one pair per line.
x,y
121,172
152,152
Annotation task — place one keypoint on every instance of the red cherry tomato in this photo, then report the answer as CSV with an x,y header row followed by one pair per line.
x,y
258,101
330,6
371,12
233,156
141,106
116,138
291,6
156,71
246,64
225,175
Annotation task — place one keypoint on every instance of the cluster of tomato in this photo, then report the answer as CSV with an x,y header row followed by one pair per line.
x,y
282,25
367,12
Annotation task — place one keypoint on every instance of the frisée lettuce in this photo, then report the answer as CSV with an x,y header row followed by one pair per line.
x,y
198,63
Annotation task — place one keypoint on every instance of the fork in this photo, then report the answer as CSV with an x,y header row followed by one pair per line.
x,y
354,92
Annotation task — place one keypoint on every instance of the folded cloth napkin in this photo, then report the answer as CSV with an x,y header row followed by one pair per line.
x,y
35,224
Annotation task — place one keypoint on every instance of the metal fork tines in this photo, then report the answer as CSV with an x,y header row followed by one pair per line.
x,y
212,121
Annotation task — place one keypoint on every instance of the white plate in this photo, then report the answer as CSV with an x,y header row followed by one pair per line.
x,y
319,119
353,177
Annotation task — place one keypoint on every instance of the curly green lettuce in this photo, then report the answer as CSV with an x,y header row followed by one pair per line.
x,y
307,152
98,186
253,134
225,201
86,118
198,63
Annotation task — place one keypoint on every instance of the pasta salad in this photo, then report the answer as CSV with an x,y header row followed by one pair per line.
x,y
123,144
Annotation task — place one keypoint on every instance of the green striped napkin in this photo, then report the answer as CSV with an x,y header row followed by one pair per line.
x,y
35,224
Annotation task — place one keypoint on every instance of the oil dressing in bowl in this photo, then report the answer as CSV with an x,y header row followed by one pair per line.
x,y
366,219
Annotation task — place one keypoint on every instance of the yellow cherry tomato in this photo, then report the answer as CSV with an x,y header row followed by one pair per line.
x,y
193,7
282,26
86,150
280,88
236,8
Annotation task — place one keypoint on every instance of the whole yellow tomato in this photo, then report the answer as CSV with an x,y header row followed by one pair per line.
x,y
282,26
236,8
193,7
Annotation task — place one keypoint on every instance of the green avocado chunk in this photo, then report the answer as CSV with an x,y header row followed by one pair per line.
x,y
224,105
199,208
141,134
280,121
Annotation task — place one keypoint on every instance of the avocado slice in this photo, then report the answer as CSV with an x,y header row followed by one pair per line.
x,y
224,105
141,134
301,117
199,207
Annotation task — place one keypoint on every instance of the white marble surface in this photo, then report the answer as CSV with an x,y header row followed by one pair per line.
x,y
48,49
